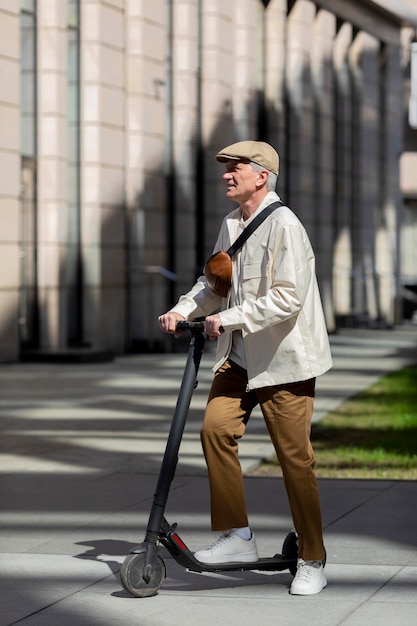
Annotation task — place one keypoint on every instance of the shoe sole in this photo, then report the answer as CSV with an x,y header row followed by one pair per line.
x,y
237,558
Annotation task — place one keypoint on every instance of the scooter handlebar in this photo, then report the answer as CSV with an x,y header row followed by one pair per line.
x,y
190,326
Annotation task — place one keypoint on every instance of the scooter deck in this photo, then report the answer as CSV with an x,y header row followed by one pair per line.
x,y
277,563
179,551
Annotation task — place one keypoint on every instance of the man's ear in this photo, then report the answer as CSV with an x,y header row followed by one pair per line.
x,y
262,178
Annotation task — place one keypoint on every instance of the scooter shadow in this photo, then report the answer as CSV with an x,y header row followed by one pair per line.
x,y
103,549
177,578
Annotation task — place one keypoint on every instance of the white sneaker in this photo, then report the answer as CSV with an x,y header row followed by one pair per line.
x,y
229,548
309,579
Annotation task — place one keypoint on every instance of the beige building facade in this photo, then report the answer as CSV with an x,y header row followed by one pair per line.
x,y
111,112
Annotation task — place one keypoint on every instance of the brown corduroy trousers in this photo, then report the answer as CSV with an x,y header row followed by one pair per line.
x,y
287,410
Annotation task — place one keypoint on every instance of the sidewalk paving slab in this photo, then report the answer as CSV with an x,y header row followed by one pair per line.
x,y
81,447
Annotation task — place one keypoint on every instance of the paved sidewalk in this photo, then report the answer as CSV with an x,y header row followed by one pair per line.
x,y
80,450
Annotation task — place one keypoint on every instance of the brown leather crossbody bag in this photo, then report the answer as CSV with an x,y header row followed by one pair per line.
x,y
218,269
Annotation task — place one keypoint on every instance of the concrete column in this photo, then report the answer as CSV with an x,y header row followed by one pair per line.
x,y
185,76
342,264
9,179
103,172
323,159
365,69
219,55
387,239
247,71
52,175
300,123
147,153
275,31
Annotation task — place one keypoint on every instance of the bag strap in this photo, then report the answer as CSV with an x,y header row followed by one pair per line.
x,y
257,221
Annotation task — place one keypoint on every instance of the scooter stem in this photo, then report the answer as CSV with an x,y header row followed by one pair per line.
x,y
170,458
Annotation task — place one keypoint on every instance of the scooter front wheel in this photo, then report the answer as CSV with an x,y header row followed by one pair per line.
x,y
132,579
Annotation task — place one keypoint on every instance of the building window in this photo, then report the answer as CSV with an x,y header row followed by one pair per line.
x,y
74,265
28,307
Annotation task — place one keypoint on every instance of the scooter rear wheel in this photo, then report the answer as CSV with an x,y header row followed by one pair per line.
x,y
290,550
132,580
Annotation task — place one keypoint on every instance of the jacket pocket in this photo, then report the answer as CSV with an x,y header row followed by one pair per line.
x,y
252,270
254,280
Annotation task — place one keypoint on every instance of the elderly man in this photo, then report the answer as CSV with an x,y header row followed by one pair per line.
x,y
272,344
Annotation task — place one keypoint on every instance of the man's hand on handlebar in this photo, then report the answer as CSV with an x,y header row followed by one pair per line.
x,y
168,323
213,326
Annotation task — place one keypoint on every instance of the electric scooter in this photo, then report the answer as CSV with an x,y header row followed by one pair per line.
x,y
143,570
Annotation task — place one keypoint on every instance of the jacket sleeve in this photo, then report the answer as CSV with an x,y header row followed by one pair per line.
x,y
291,273
201,300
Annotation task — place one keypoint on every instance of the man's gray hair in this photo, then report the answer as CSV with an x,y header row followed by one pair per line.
x,y
271,182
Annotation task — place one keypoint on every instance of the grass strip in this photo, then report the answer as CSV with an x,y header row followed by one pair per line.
x,y
372,435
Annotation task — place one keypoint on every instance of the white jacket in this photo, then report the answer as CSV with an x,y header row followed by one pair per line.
x,y
280,315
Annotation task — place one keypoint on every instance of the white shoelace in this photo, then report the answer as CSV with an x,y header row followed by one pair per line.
x,y
222,539
305,569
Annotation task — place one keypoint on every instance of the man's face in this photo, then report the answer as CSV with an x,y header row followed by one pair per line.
x,y
241,181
